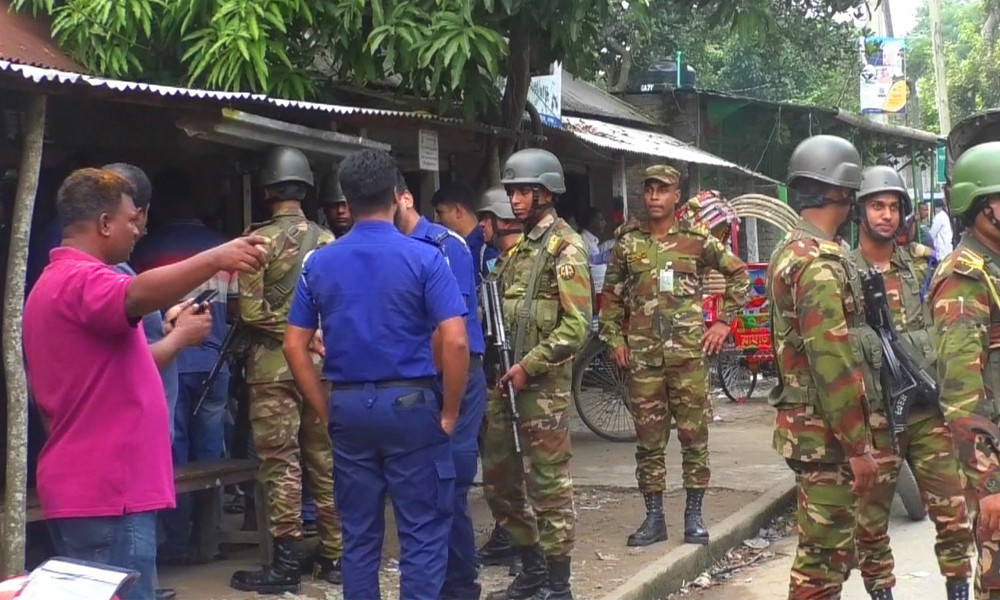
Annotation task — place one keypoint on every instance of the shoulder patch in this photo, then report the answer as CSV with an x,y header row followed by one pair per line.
x,y
968,263
621,230
556,245
830,249
566,271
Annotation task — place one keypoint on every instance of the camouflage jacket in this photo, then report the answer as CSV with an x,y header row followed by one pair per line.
x,y
822,411
557,318
263,306
658,285
966,312
908,269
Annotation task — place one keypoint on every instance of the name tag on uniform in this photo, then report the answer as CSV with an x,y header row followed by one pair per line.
x,y
667,279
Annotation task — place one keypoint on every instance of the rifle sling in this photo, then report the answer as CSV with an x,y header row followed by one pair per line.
x,y
524,308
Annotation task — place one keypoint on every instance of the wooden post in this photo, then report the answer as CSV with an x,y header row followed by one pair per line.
x,y
17,387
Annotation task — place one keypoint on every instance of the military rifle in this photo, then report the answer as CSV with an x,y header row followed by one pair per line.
x,y
496,331
227,350
908,381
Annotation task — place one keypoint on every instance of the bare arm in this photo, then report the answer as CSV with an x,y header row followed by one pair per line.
x,y
158,288
296,349
454,352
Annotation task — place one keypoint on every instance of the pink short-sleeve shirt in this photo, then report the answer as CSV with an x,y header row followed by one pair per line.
x,y
100,396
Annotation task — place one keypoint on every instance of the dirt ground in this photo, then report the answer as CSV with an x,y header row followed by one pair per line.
x,y
601,560
608,508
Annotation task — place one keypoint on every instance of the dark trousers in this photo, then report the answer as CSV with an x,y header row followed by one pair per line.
x,y
463,565
127,541
390,440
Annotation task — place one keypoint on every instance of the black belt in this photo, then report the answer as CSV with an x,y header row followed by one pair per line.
x,y
428,383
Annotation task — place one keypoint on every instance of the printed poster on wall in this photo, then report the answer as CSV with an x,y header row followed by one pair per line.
x,y
883,78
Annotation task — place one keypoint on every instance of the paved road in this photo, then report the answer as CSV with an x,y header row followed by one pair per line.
x,y
916,568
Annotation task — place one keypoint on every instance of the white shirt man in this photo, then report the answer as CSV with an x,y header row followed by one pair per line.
x,y
941,233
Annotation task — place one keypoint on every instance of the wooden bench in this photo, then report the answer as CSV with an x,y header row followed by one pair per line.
x,y
205,479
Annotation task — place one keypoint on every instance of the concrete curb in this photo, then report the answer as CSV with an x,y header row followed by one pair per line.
x,y
668,573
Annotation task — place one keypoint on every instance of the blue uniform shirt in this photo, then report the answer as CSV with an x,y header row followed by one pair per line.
x,y
378,296
484,255
460,260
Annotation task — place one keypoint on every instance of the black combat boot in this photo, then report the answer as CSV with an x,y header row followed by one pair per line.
x,y
498,550
532,578
558,584
654,528
958,589
328,569
885,594
281,576
694,526
515,566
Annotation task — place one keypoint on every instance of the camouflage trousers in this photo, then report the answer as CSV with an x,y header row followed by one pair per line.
x,y
929,447
826,517
976,470
493,396
533,497
289,436
677,391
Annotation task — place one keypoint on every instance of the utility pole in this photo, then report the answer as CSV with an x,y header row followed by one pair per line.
x,y
940,81
887,14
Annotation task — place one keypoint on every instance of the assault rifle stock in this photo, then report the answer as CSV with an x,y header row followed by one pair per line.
x,y
496,332
908,381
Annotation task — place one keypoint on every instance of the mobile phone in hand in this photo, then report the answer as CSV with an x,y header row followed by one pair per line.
x,y
202,298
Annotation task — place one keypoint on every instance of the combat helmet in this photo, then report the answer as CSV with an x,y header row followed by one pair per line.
x,y
880,179
976,174
283,164
534,166
827,159
496,202
329,190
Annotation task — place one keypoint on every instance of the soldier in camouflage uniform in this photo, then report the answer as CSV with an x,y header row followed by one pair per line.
x,y
927,445
817,320
653,283
501,230
966,311
288,436
547,310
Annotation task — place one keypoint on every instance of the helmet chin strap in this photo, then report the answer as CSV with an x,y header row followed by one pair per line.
x,y
991,217
537,209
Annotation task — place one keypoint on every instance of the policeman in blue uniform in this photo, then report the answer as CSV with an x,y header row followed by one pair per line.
x,y
463,564
391,314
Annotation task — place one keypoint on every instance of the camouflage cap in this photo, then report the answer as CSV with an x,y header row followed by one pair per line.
x,y
664,173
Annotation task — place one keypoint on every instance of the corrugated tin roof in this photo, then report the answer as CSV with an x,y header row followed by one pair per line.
x,y
26,40
584,98
651,143
45,75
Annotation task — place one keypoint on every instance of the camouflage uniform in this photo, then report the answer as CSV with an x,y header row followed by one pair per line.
x,y
822,417
657,283
966,314
558,322
287,434
927,444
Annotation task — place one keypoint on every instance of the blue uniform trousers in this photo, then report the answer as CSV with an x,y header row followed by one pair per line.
x,y
463,566
390,439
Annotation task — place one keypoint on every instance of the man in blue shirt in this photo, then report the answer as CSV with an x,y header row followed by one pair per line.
x,y
460,581
391,314
455,205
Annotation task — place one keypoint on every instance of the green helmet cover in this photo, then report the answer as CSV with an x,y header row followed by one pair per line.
x,y
976,174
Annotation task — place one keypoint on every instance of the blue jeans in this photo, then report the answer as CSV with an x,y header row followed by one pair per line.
x,y
390,440
196,437
463,565
128,542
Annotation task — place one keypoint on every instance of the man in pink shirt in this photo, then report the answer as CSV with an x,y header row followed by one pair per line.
x,y
106,467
